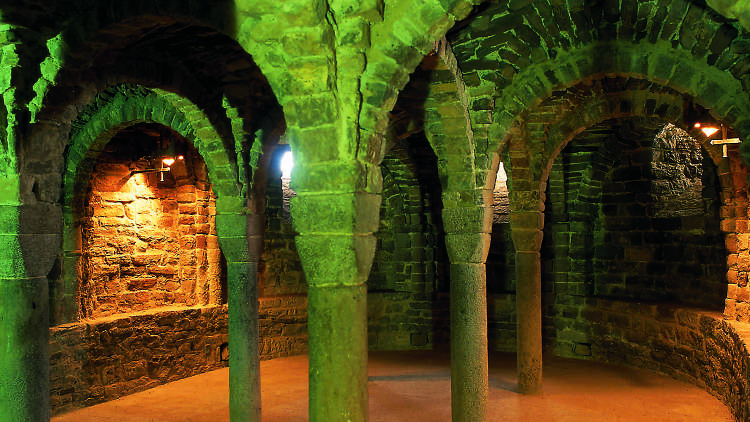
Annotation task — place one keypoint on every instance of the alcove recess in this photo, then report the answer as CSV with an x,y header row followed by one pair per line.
x,y
148,232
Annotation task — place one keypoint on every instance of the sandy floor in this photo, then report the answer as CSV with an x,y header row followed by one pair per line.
x,y
416,386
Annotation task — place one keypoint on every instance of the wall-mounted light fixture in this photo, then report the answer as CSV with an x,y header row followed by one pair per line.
x,y
710,129
167,158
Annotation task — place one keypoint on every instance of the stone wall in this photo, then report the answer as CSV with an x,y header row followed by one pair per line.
x,y
658,234
282,323
633,213
281,270
403,284
735,221
147,242
93,361
692,345
98,360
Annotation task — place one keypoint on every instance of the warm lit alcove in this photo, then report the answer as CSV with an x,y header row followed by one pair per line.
x,y
148,235
151,277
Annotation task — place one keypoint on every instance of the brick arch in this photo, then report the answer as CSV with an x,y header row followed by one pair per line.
x,y
700,87
111,111
713,89
125,105
403,39
575,116
499,46
447,122
165,32
238,100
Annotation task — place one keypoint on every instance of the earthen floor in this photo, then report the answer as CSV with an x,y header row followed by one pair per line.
x,y
416,386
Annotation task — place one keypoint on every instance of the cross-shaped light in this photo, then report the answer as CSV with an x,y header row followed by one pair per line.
x,y
709,130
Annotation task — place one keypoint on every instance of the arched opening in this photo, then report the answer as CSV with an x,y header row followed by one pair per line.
x,y
404,295
282,287
631,221
501,269
148,229
152,279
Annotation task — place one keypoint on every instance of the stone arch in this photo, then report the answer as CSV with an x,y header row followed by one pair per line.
x,y
233,92
581,322
405,37
644,61
119,107
447,122
590,110
574,118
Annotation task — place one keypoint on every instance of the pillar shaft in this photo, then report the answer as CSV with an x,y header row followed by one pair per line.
x,y
336,246
469,367
24,350
241,242
467,242
337,330
529,316
336,266
244,366
527,240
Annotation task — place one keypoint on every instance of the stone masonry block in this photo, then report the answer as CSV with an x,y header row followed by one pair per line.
x,y
336,260
467,248
336,212
467,220
352,176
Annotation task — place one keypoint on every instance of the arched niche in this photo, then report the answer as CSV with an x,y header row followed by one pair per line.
x,y
148,231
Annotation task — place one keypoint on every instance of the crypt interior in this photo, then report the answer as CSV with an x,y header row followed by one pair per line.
x,y
544,178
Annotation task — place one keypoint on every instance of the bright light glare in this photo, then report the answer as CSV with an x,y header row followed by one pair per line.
x,y
708,130
501,175
287,163
168,161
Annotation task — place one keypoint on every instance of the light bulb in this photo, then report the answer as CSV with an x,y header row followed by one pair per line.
x,y
709,130
168,161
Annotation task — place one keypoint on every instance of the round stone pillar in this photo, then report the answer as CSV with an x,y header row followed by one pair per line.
x,y
336,246
29,241
240,237
467,241
526,231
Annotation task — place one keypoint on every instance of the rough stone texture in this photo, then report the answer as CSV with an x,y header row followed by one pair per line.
x,y
514,79
97,360
280,272
283,326
632,219
687,344
147,243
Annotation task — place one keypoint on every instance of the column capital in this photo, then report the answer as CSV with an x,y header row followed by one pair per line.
x,y
467,247
339,213
526,230
476,219
330,259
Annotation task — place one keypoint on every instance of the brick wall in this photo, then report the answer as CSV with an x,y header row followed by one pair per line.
x,y
97,360
688,344
93,361
147,243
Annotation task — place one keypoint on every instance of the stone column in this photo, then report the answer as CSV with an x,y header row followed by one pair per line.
x,y
526,231
240,237
467,240
29,241
336,246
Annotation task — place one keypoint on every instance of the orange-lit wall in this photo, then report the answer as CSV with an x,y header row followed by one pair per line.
x,y
145,243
